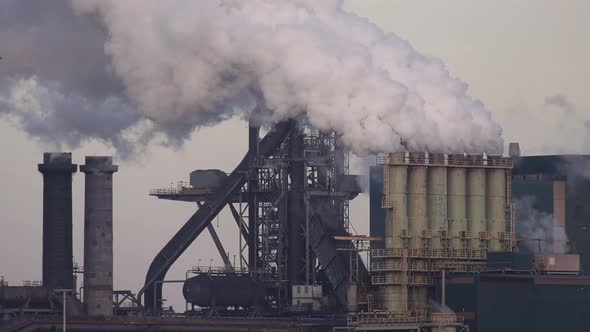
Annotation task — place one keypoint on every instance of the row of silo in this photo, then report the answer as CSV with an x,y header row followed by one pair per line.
x,y
439,202
436,197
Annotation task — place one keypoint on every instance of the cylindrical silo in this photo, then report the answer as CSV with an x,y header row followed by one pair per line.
x,y
398,194
476,200
437,199
457,200
57,170
418,222
417,202
495,204
393,297
98,236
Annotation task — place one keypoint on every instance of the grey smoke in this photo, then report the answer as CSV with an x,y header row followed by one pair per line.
x,y
43,111
577,170
537,229
186,64
56,82
561,102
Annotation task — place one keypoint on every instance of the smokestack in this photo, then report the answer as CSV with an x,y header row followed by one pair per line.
x,y
57,170
98,236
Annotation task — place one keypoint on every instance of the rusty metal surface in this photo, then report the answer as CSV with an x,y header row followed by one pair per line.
x,y
557,263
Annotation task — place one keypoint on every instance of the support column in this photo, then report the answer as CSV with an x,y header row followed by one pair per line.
x,y
296,207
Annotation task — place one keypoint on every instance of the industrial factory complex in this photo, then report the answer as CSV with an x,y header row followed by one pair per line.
x,y
456,243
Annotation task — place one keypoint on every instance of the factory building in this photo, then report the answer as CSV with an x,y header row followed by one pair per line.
x,y
450,245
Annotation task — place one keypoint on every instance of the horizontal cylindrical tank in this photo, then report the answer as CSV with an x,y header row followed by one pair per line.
x,y
457,201
476,201
225,290
496,205
18,296
437,200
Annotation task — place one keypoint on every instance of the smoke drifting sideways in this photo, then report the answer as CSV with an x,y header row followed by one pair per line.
x,y
201,61
537,230
57,83
58,120
185,64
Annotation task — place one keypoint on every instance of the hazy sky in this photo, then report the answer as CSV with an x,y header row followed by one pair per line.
x,y
526,60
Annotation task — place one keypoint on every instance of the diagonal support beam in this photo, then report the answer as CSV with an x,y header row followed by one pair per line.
x,y
226,263
238,219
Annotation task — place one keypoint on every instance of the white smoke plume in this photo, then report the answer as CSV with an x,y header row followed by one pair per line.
x,y
184,64
537,230
199,62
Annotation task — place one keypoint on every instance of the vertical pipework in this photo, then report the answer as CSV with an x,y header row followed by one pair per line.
x,y
296,206
456,200
476,201
437,200
57,170
496,204
98,236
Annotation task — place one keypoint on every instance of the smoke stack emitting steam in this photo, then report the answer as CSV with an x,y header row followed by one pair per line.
x,y
186,64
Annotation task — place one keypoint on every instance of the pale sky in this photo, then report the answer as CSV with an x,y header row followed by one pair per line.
x,y
513,54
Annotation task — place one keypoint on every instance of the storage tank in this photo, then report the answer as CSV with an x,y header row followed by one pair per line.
x,y
398,196
437,200
207,178
393,297
18,296
495,204
457,200
239,290
476,201
417,206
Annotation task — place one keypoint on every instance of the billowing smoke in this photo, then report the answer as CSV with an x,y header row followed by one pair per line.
x,y
183,64
42,110
538,230
200,61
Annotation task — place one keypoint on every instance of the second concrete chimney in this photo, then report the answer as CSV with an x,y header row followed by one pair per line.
x,y
98,236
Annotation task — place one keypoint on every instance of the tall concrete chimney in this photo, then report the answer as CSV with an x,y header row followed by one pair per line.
x,y
98,236
57,170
